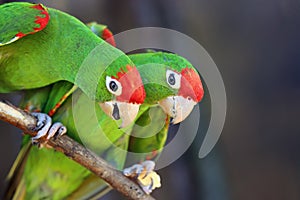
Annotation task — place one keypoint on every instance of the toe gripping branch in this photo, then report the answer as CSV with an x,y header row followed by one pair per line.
x,y
46,129
144,175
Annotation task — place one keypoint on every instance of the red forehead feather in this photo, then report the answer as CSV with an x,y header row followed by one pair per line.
x,y
132,86
191,85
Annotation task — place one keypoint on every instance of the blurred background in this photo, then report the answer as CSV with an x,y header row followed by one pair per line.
x,y
255,46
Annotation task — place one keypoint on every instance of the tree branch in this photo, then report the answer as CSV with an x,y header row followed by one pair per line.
x,y
76,152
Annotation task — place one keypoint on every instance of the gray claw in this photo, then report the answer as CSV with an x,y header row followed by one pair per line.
x,y
148,165
134,170
43,124
41,120
45,127
57,129
145,175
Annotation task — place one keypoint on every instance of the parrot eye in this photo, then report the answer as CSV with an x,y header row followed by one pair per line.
x,y
113,86
173,79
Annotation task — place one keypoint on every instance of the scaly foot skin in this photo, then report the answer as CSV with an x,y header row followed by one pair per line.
x,y
45,127
145,175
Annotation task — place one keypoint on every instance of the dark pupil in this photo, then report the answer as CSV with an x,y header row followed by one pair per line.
x,y
171,79
113,86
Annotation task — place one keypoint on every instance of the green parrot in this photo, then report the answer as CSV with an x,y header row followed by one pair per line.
x,y
45,173
171,95
41,52
41,46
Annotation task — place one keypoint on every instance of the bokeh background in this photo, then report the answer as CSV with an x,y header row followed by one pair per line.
x,y
255,45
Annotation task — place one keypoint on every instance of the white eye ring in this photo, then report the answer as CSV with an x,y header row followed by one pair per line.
x,y
113,86
173,79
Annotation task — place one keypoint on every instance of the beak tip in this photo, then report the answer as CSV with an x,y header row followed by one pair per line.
x,y
176,121
172,121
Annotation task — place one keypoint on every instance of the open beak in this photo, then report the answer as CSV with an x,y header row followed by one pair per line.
x,y
121,110
177,107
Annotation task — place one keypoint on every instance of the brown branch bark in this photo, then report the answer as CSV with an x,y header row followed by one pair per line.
x,y
76,152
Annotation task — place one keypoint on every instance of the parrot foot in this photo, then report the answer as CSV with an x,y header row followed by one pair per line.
x,y
45,128
144,175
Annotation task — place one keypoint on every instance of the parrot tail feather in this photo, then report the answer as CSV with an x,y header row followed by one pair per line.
x,y
15,185
91,188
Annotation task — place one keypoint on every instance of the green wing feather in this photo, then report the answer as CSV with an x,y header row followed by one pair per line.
x,y
44,53
19,21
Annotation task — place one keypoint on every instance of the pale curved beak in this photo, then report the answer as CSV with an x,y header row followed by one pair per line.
x,y
177,107
121,110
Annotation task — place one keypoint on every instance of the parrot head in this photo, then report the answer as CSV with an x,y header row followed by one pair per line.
x,y
171,81
189,91
119,90
123,92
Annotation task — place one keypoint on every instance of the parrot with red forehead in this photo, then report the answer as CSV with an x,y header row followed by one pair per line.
x,y
73,75
40,46
170,97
